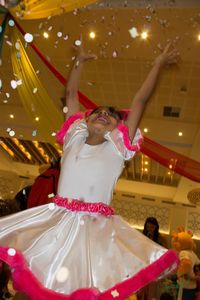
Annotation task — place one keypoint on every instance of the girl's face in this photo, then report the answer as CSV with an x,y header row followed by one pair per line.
x,y
151,228
102,119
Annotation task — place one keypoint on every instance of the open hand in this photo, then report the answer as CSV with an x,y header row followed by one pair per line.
x,y
169,56
82,56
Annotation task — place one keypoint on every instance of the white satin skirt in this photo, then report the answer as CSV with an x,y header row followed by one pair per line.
x,y
68,250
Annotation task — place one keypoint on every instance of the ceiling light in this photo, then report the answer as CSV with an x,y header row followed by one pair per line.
x,y
144,35
199,37
168,173
92,35
180,133
146,162
45,35
146,170
170,166
146,130
37,119
12,116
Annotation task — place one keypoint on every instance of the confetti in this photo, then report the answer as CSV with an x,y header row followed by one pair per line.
x,y
62,274
19,82
1,29
17,45
51,195
28,37
51,206
35,90
114,54
34,132
11,251
11,23
11,133
59,34
0,83
66,37
133,32
65,109
77,43
50,28
115,294
8,43
13,84
7,95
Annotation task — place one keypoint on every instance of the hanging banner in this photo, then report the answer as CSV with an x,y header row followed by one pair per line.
x,y
43,113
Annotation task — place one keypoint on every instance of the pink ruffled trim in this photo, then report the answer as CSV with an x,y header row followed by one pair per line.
x,y
77,205
62,132
124,130
25,281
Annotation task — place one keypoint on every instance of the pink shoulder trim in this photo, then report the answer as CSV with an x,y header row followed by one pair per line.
x,y
127,142
65,127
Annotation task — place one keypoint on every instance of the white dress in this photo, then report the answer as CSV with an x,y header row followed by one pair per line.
x,y
65,250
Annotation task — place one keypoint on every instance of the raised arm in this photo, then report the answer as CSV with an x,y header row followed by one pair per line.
x,y
72,101
141,98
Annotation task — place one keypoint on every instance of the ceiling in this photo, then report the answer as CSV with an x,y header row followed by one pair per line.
x,y
123,62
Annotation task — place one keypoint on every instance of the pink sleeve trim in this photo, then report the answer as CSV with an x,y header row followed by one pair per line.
x,y
25,281
67,124
127,142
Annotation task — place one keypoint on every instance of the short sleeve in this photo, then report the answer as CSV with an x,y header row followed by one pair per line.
x,y
122,143
73,127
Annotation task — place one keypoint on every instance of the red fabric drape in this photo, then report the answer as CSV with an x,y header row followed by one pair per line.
x,y
174,161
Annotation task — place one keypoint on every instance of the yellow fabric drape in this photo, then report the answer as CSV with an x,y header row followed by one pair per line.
x,y
38,9
33,95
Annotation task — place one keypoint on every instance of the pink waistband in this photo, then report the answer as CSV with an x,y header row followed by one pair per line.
x,y
77,205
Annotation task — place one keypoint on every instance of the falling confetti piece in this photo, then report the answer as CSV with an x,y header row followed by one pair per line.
x,y
51,196
51,205
34,132
35,90
8,129
65,109
11,251
28,37
37,72
59,34
66,37
17,45
11,23
0,29
7,95
50,28
13,84
11,133
62,274
115,54
19,82
0,83
9,43
77,43
133,32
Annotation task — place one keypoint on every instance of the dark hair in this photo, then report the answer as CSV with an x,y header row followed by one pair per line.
x,y
196,268
166,296
8,207
152,220
113,111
